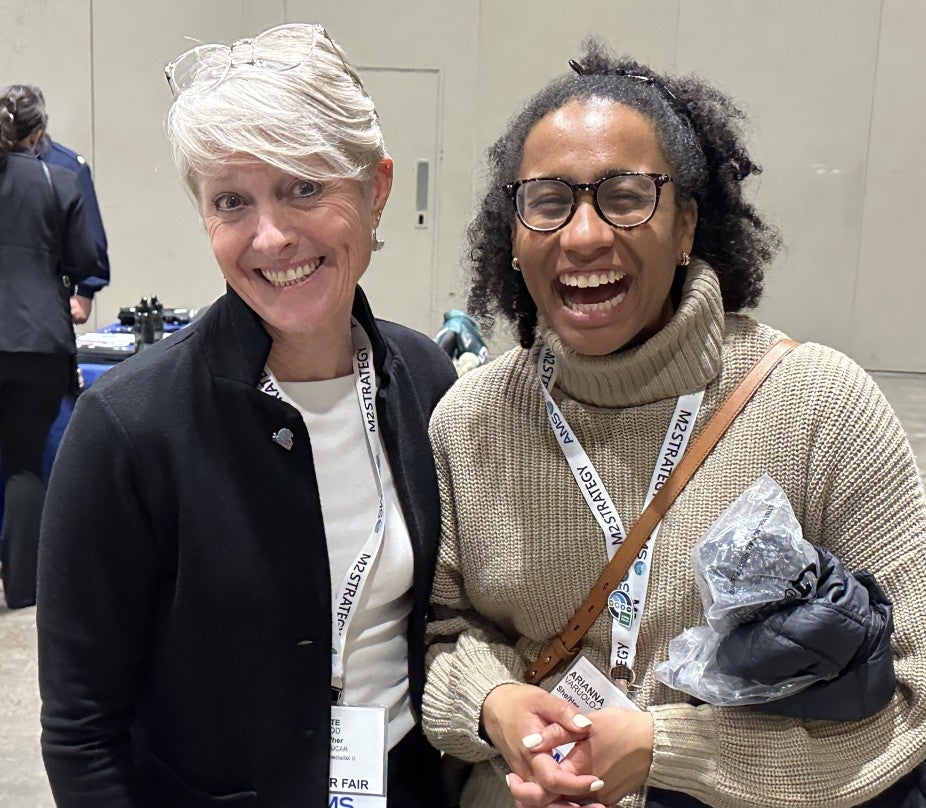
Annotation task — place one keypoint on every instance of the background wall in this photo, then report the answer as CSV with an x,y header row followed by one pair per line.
x,y
833,90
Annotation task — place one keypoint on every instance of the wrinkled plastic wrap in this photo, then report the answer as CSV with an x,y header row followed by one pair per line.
x,y
753,558
752,561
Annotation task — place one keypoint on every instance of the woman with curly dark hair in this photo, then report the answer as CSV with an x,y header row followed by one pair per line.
x,y
617,237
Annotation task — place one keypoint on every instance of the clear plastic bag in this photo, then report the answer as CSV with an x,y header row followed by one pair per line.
x,y
752,560
753,557
692,668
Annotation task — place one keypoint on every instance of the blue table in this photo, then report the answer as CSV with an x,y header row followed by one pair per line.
x,y
91,371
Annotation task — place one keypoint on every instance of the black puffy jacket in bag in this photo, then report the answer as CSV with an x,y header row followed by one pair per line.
x,y
844,634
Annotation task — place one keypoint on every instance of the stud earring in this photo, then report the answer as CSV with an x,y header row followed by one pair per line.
x,y
515,264
685,260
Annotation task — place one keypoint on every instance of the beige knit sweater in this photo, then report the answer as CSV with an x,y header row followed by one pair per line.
x,y
520,549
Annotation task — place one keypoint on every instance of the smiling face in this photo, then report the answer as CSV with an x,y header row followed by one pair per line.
x,y
601,288
292,248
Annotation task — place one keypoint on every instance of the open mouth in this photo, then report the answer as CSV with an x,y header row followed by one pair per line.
x,y
291,276
593,291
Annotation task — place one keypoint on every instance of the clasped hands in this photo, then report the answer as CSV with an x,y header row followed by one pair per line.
x,y
611,757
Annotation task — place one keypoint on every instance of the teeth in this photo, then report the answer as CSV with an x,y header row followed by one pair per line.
x,y
582,280
585,280
286,277
606,305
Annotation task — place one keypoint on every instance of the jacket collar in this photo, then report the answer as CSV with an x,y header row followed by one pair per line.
x,y
236,344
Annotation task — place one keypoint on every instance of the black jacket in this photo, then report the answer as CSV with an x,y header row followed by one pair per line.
x,y
184,597
843,634
34,230
56,154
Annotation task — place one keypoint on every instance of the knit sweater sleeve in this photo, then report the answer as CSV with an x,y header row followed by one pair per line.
x,y
468,656
864,500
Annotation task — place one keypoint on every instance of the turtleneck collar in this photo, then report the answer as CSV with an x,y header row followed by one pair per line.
x,y
682,358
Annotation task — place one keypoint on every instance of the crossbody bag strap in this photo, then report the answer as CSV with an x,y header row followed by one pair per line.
x,y
59,231
565,645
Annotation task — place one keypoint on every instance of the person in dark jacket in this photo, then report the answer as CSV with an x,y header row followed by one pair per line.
x,y
57,154
246,555
42,227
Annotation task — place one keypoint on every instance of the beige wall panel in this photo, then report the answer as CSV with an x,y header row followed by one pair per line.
x,y
428,35
831,87
524,43
804,73
889,326
47,42
157,244
401,280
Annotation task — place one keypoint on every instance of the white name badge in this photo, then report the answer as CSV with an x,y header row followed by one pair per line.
x,y
357,776
587,688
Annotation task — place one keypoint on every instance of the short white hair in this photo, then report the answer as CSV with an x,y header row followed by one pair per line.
x,y
288,118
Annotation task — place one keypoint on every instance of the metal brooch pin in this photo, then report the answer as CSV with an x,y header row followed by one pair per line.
x,y
284,437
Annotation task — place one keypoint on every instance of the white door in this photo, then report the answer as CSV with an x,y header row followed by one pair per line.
x,y
400,281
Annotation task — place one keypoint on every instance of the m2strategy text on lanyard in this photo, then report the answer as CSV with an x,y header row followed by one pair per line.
x,y
358,751
358,574
625,603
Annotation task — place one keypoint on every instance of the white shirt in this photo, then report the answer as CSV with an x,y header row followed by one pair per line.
x,y
376,645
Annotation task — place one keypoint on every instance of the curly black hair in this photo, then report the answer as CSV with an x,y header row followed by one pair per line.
x,y
698,128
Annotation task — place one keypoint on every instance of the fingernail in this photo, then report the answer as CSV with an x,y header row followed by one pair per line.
x,y
596,786
507,780
581,721
530,741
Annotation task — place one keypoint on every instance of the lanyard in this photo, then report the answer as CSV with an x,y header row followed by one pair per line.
x,y
358,574
625,603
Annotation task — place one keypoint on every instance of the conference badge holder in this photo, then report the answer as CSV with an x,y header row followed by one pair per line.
x,y
357,776
586,687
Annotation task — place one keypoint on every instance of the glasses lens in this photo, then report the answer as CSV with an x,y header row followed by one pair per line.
x,y
544,204
202,67
286,46
627,200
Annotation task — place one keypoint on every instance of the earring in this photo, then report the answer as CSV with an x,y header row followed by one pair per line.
x,y
515,264
377,244
685,260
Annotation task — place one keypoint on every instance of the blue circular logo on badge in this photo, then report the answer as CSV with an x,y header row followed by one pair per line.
x,y
639,567
621,607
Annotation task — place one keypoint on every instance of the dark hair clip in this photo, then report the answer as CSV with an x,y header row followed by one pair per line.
x,y
577,67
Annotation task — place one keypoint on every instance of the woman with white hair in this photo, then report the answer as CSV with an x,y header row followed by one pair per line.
x,y
240,538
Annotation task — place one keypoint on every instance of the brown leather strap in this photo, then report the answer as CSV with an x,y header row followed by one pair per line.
x,y
565,645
